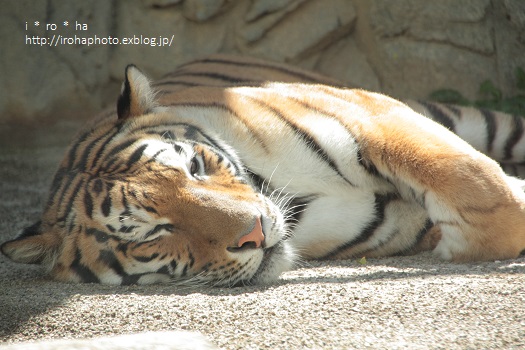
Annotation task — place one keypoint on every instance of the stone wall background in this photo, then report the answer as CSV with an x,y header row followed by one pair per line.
x,y
405,48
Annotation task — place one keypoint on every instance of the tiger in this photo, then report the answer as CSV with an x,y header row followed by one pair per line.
x,y
231,170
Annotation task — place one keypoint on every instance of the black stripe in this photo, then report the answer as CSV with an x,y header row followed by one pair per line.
x,y
100,236
212,75
367,165
453,109
150,209
183,83
71,200
83,159
191,257
439,116
178,149
220,157
173,264
88,204
246,83
168,134
83,272
63,188
217,105
57,182
219,152
79,162
490,124
98,156
514,137
206,267
307,139
106,205
419,237
164,270
33,230
131,279
146,244
72,152
120,147
160,227
116,150
136,155
184,270
216,148
127,229
98,186
125,204
258,182
123,247
192,130
421,234
266,65
145,259
110,259
381,201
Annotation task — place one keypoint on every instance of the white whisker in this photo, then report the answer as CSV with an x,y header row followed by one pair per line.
x,y
263,191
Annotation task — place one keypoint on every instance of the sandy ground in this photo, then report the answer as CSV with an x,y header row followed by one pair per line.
x,y
396,303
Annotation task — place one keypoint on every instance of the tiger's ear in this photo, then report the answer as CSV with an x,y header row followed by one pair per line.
x,y
136,96
32,246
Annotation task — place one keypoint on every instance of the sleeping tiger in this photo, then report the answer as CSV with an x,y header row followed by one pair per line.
x,y
230,169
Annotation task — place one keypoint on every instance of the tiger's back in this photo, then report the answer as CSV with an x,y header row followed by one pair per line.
x,y
496,134
224,176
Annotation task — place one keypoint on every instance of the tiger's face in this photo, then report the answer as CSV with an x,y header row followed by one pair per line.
x,y
137,202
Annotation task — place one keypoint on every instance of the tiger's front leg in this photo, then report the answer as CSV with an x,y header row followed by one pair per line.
x,y
479,210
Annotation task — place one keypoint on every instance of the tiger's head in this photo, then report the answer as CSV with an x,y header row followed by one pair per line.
x,y
141,199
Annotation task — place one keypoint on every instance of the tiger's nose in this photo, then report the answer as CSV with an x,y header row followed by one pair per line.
x,y
256,235
254,239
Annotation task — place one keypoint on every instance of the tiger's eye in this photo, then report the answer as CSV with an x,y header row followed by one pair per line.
x,y
194,167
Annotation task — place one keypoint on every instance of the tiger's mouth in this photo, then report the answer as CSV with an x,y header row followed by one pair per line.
x,y
276,260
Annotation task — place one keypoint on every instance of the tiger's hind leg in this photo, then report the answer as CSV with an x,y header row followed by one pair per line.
x,y
479,210
487,226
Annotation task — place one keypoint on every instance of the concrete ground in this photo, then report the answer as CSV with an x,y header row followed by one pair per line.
x,y
414,302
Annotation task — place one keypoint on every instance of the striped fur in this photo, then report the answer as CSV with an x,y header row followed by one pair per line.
x,y
226,170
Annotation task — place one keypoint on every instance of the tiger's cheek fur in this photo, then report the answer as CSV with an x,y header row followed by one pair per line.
x,y
208,210
207,217
199,221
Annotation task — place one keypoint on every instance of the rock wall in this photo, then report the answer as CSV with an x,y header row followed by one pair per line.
x,y
406,48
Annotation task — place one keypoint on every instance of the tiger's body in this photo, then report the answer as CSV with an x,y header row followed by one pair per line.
x,y
227,170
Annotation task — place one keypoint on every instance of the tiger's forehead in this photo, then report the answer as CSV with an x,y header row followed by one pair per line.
x,y
169,143
167,130
171,154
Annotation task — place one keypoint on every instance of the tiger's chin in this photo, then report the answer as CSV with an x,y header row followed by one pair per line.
x,y
277,259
